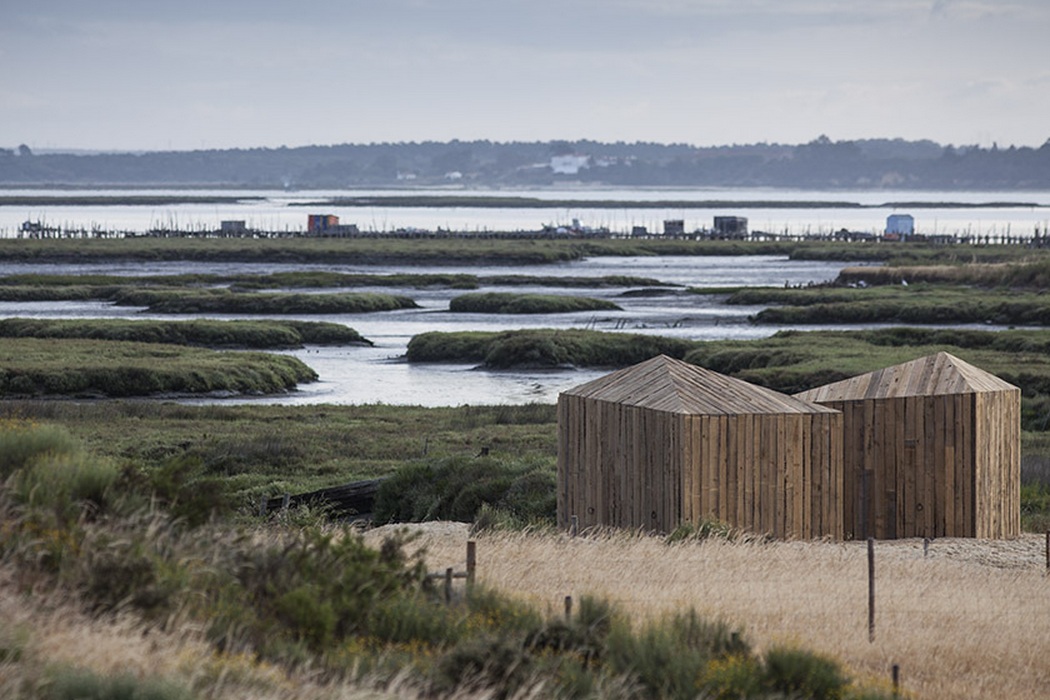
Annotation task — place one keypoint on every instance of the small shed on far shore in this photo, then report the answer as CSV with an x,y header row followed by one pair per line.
x,y
931,449
665,443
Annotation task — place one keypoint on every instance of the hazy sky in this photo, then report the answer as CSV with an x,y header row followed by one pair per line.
x,y
150,74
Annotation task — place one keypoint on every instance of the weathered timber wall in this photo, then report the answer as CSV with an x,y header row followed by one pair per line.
x,y
634,467
946,465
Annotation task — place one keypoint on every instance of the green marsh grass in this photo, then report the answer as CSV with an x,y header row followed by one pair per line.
x,y
225,301
320,279
542,348
913,304
509,303
107,368
259,335
458,488
480,250
267,450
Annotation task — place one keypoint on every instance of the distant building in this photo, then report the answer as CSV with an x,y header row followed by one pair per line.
x,y
639,232
233,227
569,165
674,227
730,227
319,223
328,225
900,224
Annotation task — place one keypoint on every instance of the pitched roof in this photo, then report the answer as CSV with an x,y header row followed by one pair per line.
x,y
665,384
932,375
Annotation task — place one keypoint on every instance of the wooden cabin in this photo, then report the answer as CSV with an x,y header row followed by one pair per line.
x,y
664,443
931,449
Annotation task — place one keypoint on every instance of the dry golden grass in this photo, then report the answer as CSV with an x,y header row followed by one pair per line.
x,y
970,620
59,635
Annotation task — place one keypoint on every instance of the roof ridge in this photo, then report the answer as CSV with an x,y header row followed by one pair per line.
x,y
667,384
931,375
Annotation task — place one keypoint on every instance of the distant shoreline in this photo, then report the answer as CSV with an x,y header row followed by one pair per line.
x,y
494,202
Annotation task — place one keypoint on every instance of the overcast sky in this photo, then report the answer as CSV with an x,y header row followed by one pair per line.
x,y
153,75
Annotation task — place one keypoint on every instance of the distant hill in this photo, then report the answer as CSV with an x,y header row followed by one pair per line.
x,y
819,164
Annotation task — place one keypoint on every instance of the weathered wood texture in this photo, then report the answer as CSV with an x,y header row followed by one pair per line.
x,y
665,443
931,448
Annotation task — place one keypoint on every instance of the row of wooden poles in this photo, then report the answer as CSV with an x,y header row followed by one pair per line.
x,y
449,574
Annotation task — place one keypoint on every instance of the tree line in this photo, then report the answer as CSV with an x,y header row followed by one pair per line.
x,y
820,163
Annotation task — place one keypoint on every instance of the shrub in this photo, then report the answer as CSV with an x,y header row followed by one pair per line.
x,y
733,677
312,588
798,673
459,488
415,619
70,684
67,485
23,442
496,665
184,486
669,658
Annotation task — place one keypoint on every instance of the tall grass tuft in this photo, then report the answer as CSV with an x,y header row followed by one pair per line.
x,y
22,442
78,684
461,488
67,484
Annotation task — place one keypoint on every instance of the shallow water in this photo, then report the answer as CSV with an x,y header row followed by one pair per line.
x,y
379,374
280,211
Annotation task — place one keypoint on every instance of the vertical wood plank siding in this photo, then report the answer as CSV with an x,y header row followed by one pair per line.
x,y
633,453
931,448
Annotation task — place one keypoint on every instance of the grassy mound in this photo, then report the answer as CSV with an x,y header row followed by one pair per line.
x,y
225,301
104,368
259,335
542,348
507,303
918,303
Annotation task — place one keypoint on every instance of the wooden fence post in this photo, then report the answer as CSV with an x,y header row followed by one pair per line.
x,y
896,680
472,562
576,524
1048,550
568,607
871,589
448,585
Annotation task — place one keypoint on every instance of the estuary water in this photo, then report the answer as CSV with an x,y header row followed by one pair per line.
x,y
380,374
947,213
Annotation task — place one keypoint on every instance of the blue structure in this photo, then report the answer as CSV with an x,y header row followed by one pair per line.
x,y
900,224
